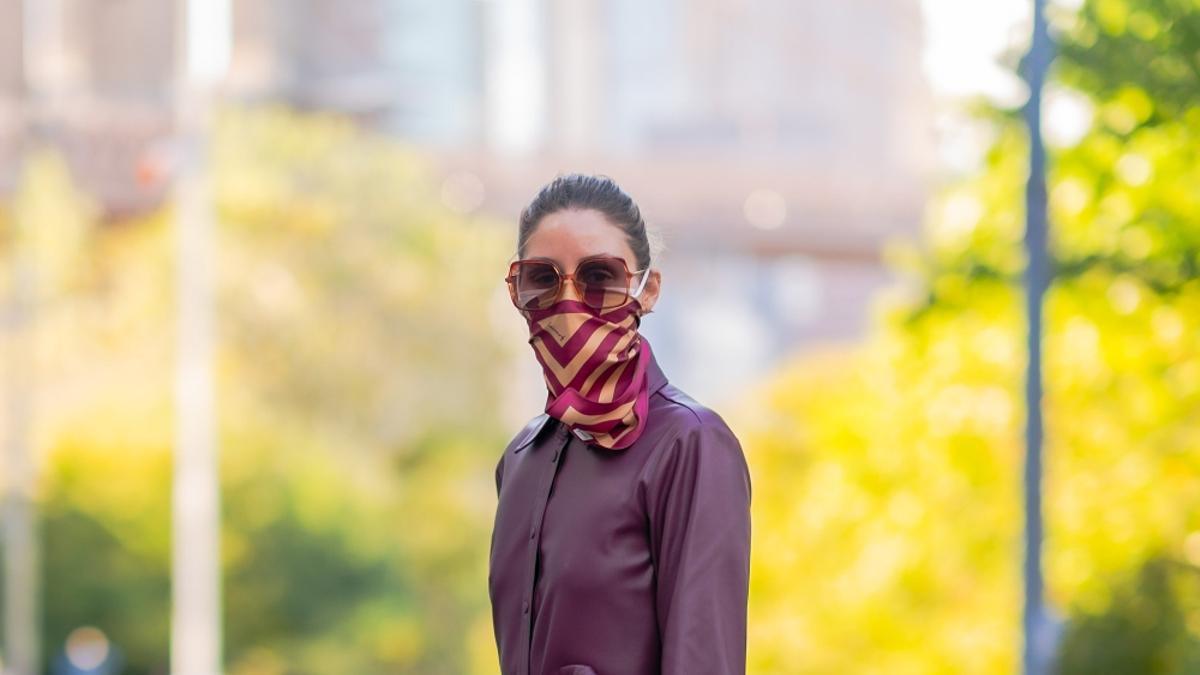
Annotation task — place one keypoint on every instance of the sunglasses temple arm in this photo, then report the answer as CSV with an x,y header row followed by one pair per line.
x,y
642,283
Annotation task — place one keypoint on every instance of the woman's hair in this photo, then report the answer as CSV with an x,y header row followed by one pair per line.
x,y
600,193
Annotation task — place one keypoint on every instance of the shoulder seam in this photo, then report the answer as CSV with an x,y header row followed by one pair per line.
x,y
683,403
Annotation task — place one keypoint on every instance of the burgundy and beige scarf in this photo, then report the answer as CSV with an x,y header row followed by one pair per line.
x,y
594,363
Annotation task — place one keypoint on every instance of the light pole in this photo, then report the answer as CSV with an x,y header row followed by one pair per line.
x,y
21,578
202,32
1038,629
43,62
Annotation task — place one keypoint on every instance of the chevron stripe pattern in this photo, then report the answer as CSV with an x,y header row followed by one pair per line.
x,y
594,365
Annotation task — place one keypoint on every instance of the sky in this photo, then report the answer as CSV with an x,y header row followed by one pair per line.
x,y
965,38
209,39
964,43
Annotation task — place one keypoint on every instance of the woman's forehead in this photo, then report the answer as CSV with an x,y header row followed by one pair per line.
x,y
567,236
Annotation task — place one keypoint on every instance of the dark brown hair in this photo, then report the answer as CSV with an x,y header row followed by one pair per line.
x,y
600,193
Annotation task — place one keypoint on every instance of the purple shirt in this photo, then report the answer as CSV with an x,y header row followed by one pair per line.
x,y
623,562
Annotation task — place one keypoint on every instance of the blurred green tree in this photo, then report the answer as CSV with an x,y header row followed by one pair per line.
x,y
358,373
1144,630
887,516
1113,46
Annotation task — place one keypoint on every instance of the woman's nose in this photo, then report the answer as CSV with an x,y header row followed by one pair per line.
x,y
569,292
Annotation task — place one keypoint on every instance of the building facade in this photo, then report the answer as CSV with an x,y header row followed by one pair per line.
x,y
776,143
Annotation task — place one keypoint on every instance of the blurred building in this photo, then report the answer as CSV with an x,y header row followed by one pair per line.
x,y
776,143
409,67
94,79
12,82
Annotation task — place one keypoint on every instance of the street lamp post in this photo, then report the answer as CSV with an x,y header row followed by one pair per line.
x,y
202,35
1038,630
43,62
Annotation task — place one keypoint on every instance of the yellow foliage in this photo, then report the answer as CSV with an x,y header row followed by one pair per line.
x,y
888,495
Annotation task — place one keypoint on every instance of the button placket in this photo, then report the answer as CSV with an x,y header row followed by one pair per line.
x,y
562,438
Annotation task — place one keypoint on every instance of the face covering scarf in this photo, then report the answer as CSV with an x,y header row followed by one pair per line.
x,y
594,363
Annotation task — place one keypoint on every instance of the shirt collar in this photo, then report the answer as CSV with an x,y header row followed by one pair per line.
x,y
655,379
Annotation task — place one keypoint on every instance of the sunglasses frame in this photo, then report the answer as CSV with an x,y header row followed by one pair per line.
x,y
563,277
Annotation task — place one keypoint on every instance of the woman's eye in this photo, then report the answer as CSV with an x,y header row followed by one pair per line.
x,y
598,277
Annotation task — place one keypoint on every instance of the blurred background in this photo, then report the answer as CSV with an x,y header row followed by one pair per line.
x,y
259,361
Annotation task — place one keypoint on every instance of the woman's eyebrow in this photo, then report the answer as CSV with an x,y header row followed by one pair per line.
x,y
558,262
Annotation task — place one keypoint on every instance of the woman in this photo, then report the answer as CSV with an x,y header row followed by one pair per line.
x,y
621,543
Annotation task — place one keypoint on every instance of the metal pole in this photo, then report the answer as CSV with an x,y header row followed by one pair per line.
x,y
1037,631
21,578
195,527
42,59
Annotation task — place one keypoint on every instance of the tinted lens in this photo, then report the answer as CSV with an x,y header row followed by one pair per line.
x,y
536,284
603,282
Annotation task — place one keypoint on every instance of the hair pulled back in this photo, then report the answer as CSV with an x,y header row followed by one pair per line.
x,y
581,192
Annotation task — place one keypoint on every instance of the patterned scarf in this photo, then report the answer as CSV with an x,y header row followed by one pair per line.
x,y
594,364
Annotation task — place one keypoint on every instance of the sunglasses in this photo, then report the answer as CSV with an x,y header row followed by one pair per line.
x,y
602,282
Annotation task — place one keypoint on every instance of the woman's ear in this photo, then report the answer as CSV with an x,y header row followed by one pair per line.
x,y
649,295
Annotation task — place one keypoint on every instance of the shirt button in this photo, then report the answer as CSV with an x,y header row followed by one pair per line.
x,y
533,533
525,607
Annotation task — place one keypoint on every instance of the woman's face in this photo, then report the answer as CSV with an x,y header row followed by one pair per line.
x,y
570,235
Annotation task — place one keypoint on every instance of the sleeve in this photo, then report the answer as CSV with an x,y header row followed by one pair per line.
x,y
698,502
